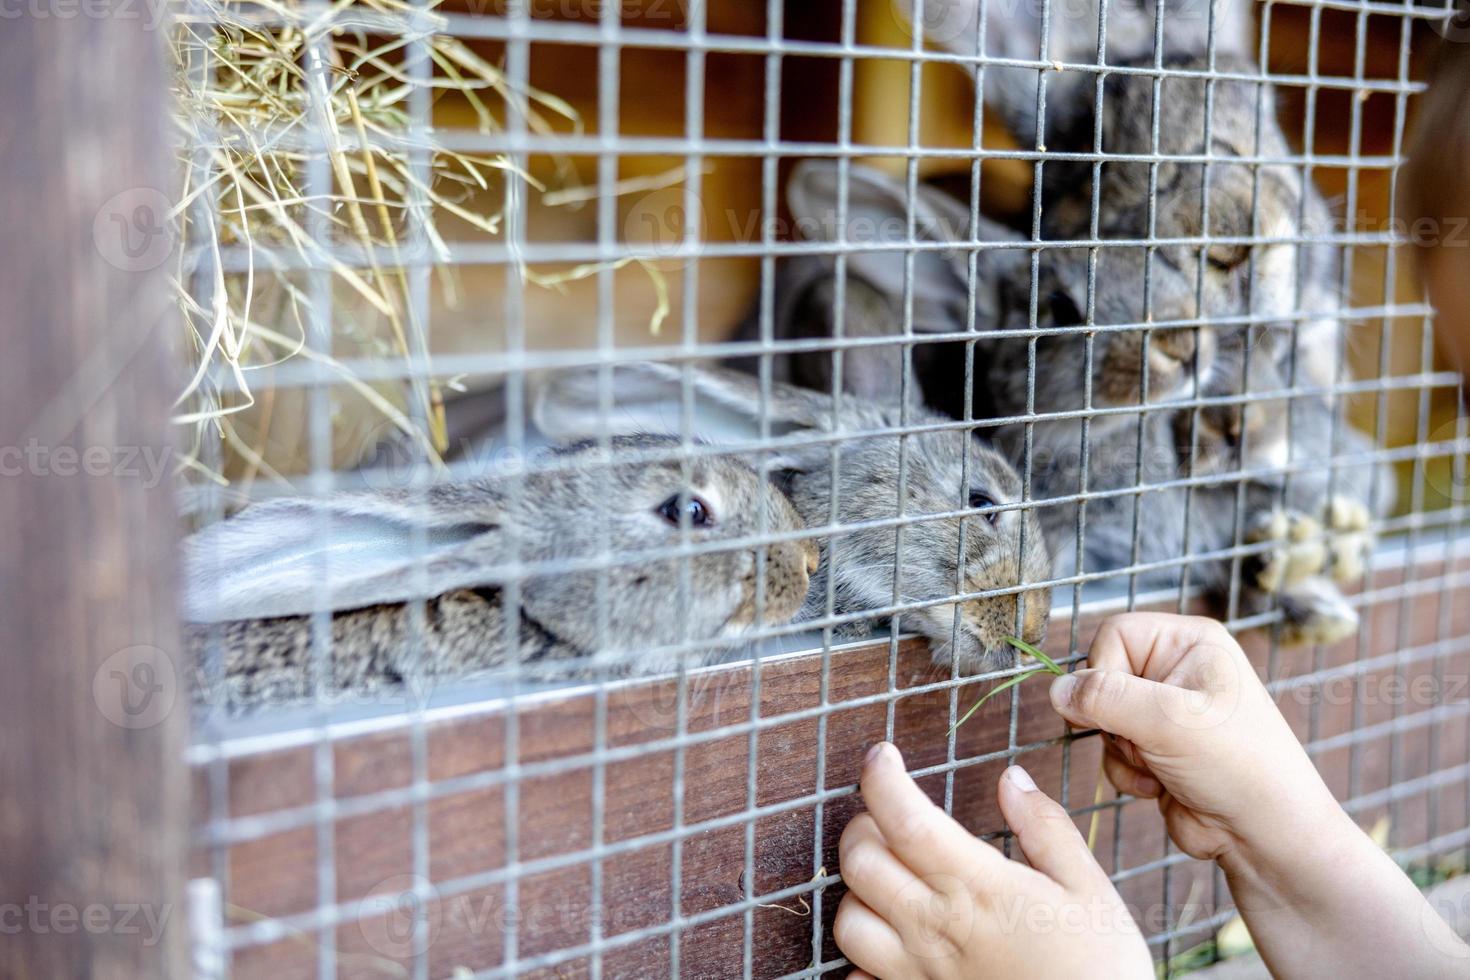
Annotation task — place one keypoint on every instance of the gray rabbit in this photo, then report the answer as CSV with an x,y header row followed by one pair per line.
x,y
1318,526
879,286
253,580
945,472
1131,369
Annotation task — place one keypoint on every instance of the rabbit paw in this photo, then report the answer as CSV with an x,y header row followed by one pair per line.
x,y
1350,538
1299,553
1315,612
851,632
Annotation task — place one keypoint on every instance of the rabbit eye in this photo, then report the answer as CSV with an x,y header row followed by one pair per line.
x,y
698,511
1227,258
981,499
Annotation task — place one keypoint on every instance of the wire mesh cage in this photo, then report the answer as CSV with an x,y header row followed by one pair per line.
x,y
642,408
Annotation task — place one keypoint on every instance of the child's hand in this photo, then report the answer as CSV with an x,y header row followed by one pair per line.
x,y
927,899
1190,723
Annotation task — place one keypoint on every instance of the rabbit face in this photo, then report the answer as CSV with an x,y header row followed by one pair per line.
x,y
1128,367
1247,361
995,556
648,507
1264,213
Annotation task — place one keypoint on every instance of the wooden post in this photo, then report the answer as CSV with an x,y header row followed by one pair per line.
x,y
93,791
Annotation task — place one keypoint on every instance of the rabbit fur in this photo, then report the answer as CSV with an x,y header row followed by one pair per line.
x,y
1288,275
252,580
1013,31
941,302
1001,548
1314,512
1179,360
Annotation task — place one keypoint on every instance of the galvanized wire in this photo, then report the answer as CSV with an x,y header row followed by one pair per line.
x,y
1422,538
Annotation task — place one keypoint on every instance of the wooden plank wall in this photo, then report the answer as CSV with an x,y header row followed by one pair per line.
x,y
93,818
273,875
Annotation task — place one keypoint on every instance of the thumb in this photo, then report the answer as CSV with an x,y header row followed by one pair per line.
x,y
1154,717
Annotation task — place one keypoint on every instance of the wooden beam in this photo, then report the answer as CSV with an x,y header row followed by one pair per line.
x,y
93,791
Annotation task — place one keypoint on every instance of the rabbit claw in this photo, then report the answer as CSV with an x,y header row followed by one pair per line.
x,y
1350,540
1300,552
1315,612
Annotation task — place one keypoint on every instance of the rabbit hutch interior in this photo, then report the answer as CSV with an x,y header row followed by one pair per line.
x,y
601,422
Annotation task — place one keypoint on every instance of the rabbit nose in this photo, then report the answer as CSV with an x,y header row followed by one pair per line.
x,y
1170,348
1038,610
1226,423
811,554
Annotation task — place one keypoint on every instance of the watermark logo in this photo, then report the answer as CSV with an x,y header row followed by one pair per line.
x,y
134,231
152,12
1450,474
37,459
1398,690
1094,916
42,918
392,458
940,913
662,224
721,698
136,687
1455,25
400,915
1212,697
1449,908
940,21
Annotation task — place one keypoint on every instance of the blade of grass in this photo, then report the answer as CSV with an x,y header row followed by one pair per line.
x,y
1097,798
1002,686
1051,666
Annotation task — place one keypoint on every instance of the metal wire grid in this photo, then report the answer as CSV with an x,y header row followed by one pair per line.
x,y
1427,536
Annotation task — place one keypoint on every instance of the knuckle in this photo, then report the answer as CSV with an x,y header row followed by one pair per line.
x,y
856,862
858,829
1206,629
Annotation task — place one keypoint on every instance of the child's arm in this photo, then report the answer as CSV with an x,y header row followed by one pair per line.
x,y
1191,724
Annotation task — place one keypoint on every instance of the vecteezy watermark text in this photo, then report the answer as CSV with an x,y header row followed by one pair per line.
x,y
151,12
40,917
35,458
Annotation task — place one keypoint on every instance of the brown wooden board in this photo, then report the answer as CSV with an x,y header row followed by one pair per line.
x,y
274,875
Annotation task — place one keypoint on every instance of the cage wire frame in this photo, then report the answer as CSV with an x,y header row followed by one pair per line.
x,y
1423,535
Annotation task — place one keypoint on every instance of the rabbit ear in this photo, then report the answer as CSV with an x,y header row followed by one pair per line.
x,y
877,213
289,557
646,397
1013,31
